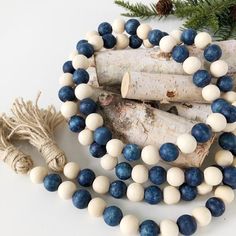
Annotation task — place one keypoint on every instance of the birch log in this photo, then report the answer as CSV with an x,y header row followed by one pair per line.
x,y
142,124
111,65
160,87
191,111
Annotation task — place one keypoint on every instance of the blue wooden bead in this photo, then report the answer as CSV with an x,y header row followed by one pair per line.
x,y
66,93
193,176
218,104
131,26
76,123
187,225
225,83
80,42
229,112
169,152
86,49
86,177
132,152
112,215
102,135
149,228
180,53
154,37
81,198
188,193
117,189
153,195
212,53
97,150
67,67
216,206
201,78
229,174
157,175
227,141
188,36
80,76
51,182
104,28
87,106
201,132
135,42
123,170
109,41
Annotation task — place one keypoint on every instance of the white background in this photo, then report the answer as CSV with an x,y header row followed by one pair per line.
x,y
35,39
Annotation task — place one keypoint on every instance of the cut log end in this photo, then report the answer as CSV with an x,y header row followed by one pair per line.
x,y
125,85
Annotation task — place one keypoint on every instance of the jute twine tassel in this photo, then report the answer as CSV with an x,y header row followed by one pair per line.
x,y
36,125
14,158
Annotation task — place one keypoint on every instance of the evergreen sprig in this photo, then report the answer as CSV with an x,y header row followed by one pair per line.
x,y
138,9
211,15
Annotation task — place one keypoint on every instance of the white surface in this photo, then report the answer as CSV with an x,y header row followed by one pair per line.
x,y
36,38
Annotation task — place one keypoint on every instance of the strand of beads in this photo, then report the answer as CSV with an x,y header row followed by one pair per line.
x,y
92,130
129,224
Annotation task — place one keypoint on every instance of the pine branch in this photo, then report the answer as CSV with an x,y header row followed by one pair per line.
x,y
137,9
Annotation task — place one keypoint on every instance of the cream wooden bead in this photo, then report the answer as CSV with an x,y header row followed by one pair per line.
x,y
85,137
147,44
230,96
143,30
224,158
80,61
122,41
225,193
171,195
204,188
135,192
97,42
72,55
176,34
69,109
213,176
230,127
175,176
169,228
150,155
66,79
186,143
217,122
37,174
202,216
192,65
71,170
202,40
108,162
210,92
114,147
234,104
101,184
219,68
167,43
118,26
94,121
91,34
129,225
96,207
83,91
139,174
66,190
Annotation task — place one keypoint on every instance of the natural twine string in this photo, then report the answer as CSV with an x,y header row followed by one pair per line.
x,y
36,125
14,158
